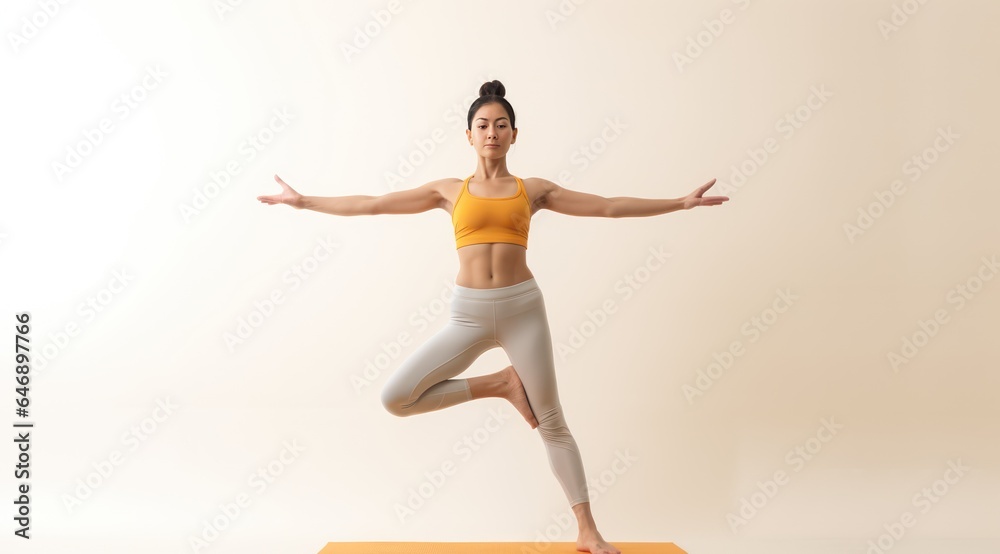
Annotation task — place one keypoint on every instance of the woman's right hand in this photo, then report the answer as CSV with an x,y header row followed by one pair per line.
x,y
287,196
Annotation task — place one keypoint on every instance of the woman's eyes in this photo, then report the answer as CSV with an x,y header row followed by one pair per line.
x,y
482,126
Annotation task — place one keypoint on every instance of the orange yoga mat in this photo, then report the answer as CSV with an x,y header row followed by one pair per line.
x,y
489,548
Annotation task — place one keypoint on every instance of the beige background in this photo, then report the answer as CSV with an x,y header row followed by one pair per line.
x,y
353,117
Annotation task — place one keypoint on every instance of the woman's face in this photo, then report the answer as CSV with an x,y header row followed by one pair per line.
x,y
491,126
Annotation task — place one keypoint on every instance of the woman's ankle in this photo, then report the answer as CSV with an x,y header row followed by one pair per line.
x,y
584,518
487,386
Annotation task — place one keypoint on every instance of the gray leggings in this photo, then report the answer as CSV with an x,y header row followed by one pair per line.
x,y
481,319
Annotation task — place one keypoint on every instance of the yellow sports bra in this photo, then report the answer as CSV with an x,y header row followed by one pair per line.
x,y
479,220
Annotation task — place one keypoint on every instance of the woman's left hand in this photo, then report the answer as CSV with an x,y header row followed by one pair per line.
x,y
696,199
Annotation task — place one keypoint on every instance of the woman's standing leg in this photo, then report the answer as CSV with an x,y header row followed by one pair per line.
x,y
523,332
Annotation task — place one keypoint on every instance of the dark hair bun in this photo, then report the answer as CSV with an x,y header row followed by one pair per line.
x,y
492,88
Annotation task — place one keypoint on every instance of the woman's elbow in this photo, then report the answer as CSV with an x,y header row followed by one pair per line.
x,y
609,209
372,205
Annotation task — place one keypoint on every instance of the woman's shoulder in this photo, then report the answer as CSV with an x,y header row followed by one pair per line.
x,y
537,187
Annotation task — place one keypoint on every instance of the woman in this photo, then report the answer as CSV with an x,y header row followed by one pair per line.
x,y
497,301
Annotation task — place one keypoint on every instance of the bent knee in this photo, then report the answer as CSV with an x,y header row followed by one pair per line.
x,y
394,403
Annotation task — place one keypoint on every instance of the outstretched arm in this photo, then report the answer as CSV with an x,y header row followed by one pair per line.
x,y
571,202
409,201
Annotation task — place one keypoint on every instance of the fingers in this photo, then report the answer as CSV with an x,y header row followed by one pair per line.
x,y
701,190
276,198
712,200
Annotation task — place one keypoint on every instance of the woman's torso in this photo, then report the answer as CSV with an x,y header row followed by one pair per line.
x,y
490,265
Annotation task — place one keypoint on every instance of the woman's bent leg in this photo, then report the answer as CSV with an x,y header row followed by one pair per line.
x,y
423,382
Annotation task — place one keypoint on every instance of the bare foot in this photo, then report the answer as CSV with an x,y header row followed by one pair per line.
x,y
591,541
516,396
